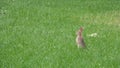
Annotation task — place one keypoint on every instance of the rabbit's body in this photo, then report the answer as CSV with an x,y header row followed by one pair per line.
x,y
79,39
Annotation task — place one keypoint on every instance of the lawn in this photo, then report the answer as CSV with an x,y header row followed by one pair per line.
x,y
41,33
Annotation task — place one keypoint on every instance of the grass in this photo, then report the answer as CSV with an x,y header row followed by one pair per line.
x,y
41,33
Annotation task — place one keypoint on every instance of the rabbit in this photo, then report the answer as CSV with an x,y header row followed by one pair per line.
x,y
79,39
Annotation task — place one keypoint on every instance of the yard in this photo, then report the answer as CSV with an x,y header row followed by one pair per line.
x,y
41,33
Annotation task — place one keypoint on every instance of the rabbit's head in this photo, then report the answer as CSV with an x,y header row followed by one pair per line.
x,y
79,32
81,29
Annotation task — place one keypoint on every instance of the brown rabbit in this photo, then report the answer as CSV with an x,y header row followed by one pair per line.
x,y
79,39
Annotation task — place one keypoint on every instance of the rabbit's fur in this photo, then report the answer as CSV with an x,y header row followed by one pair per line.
x,y
79,39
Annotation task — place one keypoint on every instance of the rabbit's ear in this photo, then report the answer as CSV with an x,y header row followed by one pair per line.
x,y
81,28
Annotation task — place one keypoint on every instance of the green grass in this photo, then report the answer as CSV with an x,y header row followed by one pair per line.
x,y
41,33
